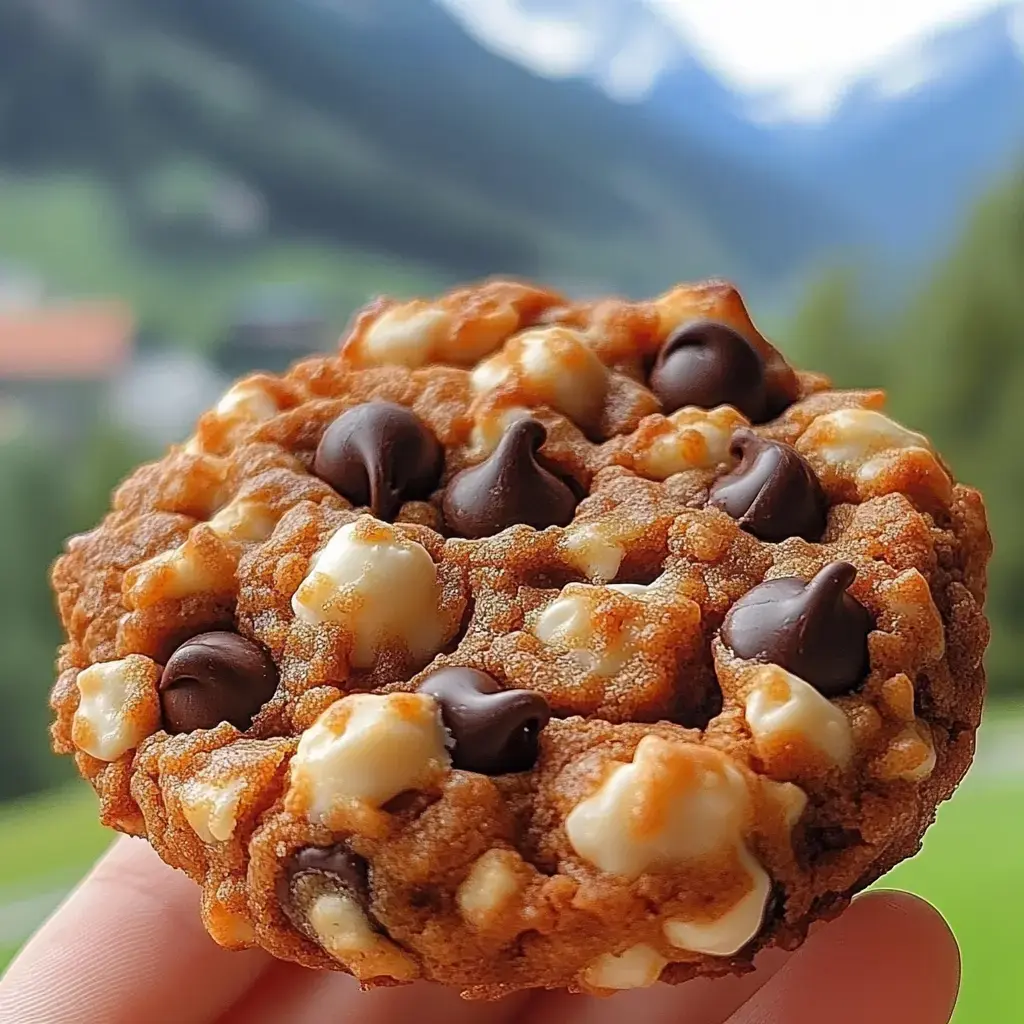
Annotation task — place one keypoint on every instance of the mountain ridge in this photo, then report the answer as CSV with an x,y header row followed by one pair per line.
x,y
906,146
387,126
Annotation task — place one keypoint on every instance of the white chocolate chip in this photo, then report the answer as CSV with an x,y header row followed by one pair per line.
x,y
118,707
784,711
171,576
244,520
247,401
343,930
553,366
910,756
731,931
406,335
600,632
212,808
479,336
243,407
851,435
340,925
245,404
490,425
368,748
925,766
416,333
790,799
867,444
490,374
564,370
227,928
674,803
381,586
691,438
201,564
491,883
637,967
594,549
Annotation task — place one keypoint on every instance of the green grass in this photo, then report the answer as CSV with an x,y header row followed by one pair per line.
x,y
51,837
970,869
47,843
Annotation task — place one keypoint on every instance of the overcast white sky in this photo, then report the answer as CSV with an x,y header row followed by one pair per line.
x,y
764,44
806,49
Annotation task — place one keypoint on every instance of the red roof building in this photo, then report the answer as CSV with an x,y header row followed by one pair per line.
x,y
73,341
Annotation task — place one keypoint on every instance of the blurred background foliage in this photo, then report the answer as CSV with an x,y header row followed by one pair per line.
x,y
232,180
952,360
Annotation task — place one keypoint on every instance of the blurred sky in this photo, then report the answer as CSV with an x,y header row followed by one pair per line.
x,y
806,52
785,42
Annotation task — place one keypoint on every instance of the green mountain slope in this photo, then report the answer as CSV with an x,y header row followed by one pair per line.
x,y
385,126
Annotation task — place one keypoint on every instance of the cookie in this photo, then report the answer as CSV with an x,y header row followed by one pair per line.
x,y
526,643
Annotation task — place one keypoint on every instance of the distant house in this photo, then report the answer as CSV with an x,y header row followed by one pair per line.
x,y
57,360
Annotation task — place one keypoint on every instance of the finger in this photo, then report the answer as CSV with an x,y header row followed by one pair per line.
x,y
877,921
705,1001
889,958
702,1001
286,993
128,945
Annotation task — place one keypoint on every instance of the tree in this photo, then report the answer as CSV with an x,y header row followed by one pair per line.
x,y
48,492
953,362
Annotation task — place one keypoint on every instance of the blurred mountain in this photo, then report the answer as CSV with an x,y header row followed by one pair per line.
x,y
385,124
907,148
913,145
903,152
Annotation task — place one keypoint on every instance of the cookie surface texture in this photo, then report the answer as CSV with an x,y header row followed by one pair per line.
x,y
481,652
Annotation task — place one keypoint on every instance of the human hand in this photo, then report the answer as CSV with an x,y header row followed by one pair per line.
x,y
128,946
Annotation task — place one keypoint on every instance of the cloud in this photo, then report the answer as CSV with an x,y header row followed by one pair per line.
x,y
794,58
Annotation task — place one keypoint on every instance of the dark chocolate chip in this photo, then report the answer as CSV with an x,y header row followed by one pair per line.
x,y
214,678
709,364
380,455
495,731
319,869
830,838
509,487
773,493
815,630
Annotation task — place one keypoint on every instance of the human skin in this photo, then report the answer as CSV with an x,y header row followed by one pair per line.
x,y
128,946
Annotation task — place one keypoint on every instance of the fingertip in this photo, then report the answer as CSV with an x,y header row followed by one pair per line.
x,y
915,907
890,956
919,922
127,945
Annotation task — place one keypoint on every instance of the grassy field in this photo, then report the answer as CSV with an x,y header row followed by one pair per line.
x,y
969,868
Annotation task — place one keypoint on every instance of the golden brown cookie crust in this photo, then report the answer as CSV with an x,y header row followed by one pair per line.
x,y
687,807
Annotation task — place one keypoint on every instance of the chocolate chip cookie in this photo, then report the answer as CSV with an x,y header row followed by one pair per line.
x,y
527,643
